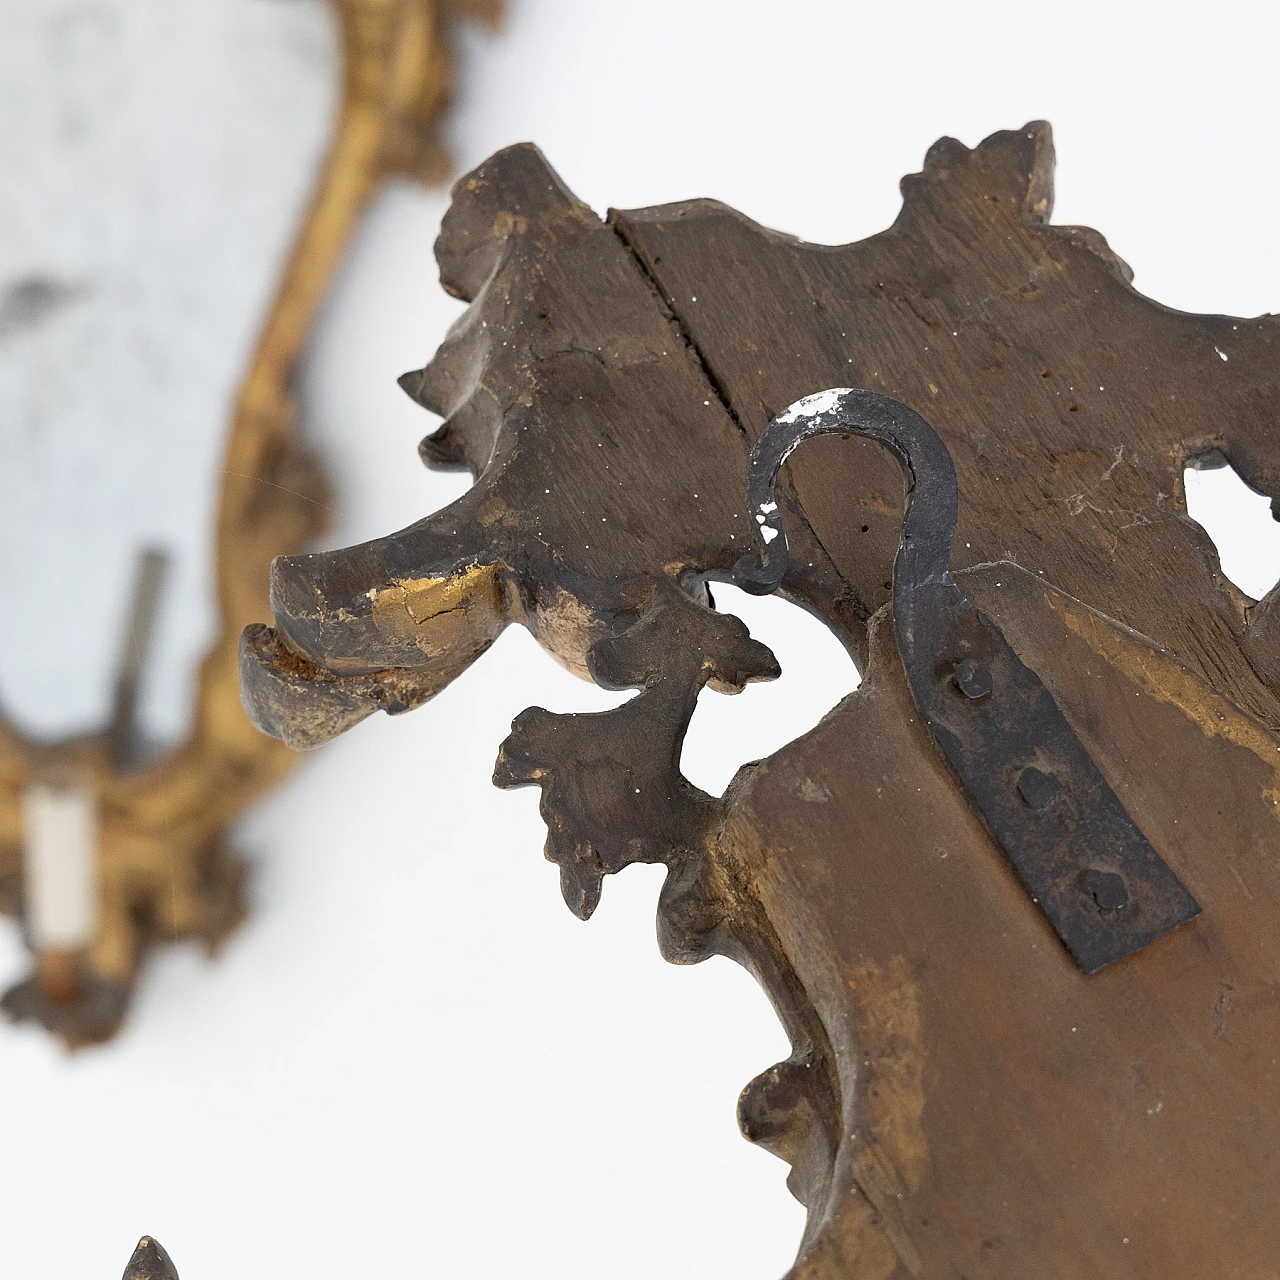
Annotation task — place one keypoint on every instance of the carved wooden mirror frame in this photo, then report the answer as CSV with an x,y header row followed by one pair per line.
x,y
973,1089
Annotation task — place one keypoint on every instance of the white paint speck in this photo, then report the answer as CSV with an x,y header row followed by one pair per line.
x,y
812,406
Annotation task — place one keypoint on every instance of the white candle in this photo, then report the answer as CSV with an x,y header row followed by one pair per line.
x,y
60,866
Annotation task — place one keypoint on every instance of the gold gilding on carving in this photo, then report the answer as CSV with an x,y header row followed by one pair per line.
x,y
442,615
1166,679
566,628
892,1048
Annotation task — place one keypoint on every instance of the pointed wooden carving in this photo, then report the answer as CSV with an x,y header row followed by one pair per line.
x,y
961,1099
150,1262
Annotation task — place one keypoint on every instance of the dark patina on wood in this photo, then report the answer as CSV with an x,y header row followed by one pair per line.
x,y
961,1098
150,1261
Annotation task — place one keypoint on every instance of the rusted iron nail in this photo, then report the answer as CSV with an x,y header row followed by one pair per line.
x,y
972,678
1038,788
1106,888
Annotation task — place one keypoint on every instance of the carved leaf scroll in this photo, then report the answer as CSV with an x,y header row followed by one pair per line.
x,y
611,784
961,1100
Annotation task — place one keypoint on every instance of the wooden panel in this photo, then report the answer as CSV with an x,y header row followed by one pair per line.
x,y
1036,1121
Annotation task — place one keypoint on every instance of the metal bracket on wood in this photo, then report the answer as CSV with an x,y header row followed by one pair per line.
x,y
1083,859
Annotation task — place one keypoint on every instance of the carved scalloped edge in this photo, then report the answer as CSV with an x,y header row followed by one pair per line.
x,y
612,794
612,791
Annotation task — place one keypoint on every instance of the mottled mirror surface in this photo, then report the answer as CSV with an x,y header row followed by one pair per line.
x,y
155,156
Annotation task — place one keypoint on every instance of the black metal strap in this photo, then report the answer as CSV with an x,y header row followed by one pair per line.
x,y
1095,876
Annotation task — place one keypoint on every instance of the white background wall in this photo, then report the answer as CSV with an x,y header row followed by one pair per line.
x,y
413,1061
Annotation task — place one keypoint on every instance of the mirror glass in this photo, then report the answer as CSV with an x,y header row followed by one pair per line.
x,y
155,156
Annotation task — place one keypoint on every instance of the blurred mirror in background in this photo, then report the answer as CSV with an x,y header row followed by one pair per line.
x,y
170,233
155,159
